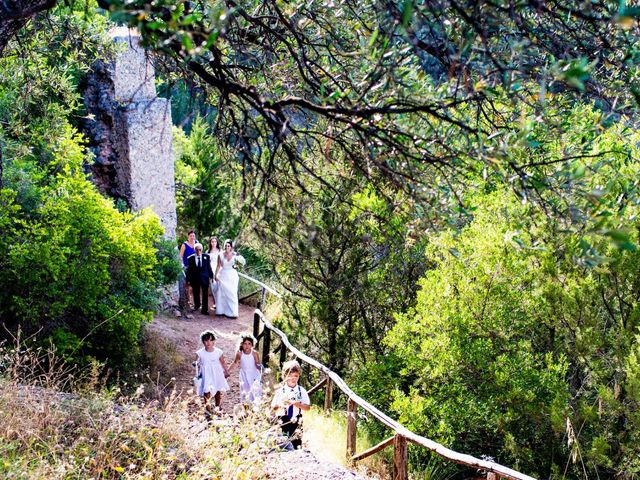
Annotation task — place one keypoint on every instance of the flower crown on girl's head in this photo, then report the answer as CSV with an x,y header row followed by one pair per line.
x,y
247,336
208,334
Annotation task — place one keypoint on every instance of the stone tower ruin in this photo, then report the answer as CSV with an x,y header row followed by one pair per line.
x,y
130,131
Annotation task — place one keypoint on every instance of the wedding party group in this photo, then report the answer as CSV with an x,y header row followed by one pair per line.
x,y
213,271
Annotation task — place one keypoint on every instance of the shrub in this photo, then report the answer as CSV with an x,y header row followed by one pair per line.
x,y
76,268
516,351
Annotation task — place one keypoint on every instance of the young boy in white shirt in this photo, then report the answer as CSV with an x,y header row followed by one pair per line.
x,y
289,401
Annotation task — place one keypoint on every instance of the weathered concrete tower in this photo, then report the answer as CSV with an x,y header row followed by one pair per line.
x,y
131,132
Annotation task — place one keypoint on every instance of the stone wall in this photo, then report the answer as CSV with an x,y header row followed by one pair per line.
x,y
99,128
130,132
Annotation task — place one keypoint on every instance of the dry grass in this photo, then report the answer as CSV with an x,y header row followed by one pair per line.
x,y
318,427
161,355
59,426
59,423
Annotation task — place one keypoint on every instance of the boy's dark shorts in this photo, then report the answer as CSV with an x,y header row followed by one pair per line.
x,y
292,429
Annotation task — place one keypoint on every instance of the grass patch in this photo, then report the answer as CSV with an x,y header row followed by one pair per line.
x,y
326,436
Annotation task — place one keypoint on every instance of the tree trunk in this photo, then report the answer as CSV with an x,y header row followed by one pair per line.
x,y
15,13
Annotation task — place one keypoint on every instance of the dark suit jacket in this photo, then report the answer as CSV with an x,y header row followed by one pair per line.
x,y
200,275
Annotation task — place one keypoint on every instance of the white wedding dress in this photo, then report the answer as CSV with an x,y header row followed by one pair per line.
x,y
227,293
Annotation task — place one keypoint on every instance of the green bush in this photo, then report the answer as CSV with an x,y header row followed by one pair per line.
x,y
168,266
516,351
205,184
74,264
74,271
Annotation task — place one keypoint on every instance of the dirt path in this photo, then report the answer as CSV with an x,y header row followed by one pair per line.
x,y
184,333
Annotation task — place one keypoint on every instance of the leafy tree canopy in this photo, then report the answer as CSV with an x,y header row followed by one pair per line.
x,y
421,96
539,351
205,180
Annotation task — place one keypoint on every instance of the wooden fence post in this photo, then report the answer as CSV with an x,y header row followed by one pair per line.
x,y
256,326
400,469
263,297
328,395
266,346
283,353
351,429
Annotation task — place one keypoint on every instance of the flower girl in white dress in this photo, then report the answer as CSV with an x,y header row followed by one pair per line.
x,y
250,370
212,372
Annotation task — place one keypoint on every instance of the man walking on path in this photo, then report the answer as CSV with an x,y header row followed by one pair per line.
x,y
199,275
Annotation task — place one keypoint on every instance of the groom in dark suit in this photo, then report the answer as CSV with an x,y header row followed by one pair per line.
x,y
199,274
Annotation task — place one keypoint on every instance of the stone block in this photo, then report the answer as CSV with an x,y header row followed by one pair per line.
x,y
134,75
131,131
146,167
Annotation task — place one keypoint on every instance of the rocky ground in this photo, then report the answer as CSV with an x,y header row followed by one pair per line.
x,y
303,464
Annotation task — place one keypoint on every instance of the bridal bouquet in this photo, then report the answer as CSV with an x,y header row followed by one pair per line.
x,y
238,262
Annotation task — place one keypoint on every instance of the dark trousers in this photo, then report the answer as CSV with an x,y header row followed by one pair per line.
x,y
201,289
293,430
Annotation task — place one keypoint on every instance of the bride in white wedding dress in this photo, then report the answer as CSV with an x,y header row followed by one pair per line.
x,y
227,277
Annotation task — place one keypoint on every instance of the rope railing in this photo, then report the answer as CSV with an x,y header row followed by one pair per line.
x,y
402,434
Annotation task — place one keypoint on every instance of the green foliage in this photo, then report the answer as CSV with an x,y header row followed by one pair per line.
x,y
376,381
188,100
513,348
204,184
327,263
168,266
79,263
420,97
469,344
67,344
339,249
75,270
